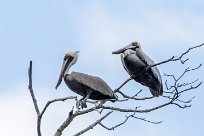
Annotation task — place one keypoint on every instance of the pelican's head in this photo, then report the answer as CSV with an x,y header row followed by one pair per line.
x,y
70,59
131,46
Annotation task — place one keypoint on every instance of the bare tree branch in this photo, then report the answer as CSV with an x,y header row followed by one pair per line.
x,y
34,100
134,96
191,87
126,119
94,124
40,114
71,117
172,97
31,89
126,81
56,100
65,123
174,58
126,110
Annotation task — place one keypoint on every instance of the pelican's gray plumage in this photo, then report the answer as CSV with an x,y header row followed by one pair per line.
x,y
135,61
90,87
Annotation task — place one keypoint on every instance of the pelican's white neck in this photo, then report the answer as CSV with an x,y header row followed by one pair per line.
x,y
67,70
71,64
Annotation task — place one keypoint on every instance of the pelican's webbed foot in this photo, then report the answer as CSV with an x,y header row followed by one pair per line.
x,y
78,104
81,104
101,102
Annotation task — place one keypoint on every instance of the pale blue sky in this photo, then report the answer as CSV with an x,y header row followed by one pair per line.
x,y
43,31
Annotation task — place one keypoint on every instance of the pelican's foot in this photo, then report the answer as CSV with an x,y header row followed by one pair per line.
x,y
100,103
78,104
81,104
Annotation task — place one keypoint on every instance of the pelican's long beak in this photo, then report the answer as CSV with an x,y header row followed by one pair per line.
x,y
130,46
65,64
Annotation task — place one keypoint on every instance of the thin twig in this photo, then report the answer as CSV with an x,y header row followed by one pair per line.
x,y
134,97
126,119
56,100
93,125
34,100
177,58
30,87
126,81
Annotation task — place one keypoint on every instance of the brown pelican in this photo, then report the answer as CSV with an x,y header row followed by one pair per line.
x,y
90,87
135,62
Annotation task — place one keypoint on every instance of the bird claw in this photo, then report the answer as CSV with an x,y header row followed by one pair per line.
x,y
78,105
81,104
100,103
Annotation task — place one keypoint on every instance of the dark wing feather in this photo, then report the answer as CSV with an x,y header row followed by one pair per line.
x,y
143,57
148,62
154,70
93,82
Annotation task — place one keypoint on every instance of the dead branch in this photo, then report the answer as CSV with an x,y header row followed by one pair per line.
x,y
134,97
40,114
126,119
56,100
127,110
94,124
126,81
179,58
65,123
172,96
70,118
34,100
31,89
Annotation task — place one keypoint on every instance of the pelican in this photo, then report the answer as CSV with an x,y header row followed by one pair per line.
x,y
90,87
135,62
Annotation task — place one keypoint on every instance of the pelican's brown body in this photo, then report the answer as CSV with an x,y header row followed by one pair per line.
x,y
90,87
135,62
81,84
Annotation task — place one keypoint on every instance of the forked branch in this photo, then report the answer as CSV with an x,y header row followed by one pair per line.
x,y
172,95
